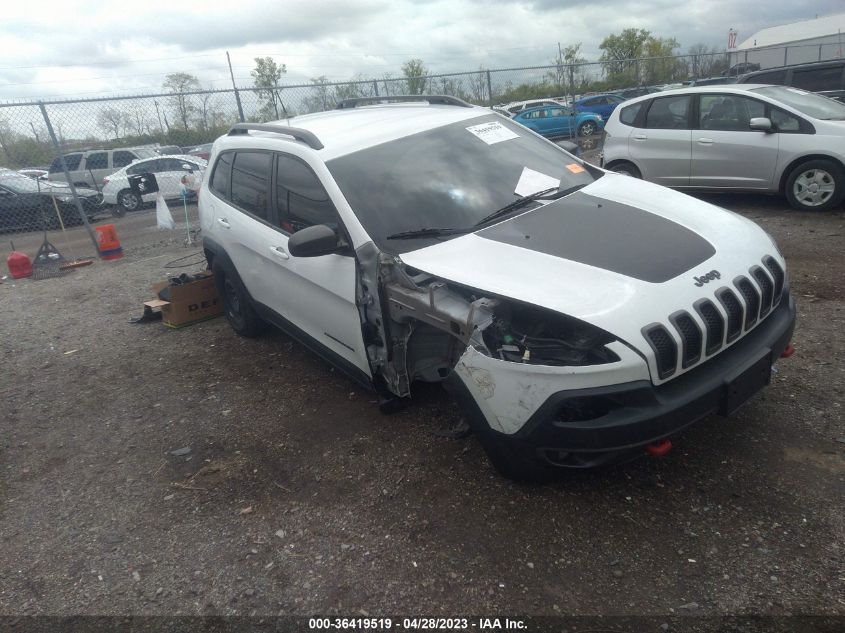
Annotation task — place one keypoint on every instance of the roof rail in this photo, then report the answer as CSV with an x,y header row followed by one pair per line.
x,y
306,136
432,99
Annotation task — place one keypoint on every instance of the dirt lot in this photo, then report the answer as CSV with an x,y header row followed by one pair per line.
x,y
298,496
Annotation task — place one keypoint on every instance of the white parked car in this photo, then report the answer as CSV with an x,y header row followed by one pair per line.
x,y
518,106
170,171
577,315
740,137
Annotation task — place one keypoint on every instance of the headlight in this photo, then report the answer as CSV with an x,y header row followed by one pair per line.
x,y
523,334
64,198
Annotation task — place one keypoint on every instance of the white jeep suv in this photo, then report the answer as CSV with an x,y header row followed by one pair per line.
x,y
576,315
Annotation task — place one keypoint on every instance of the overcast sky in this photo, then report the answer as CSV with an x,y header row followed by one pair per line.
x,y
68,47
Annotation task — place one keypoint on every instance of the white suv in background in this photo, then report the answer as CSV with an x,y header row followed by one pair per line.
x,y
576,315
90,168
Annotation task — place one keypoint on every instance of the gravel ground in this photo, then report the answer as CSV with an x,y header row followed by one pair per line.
x,y
296,496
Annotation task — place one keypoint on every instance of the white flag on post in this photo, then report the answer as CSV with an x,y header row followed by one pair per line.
x,y
163,217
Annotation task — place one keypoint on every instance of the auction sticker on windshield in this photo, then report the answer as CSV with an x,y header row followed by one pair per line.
x,y
493,132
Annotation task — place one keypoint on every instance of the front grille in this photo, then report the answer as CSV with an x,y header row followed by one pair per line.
x,y
751,298
733,308
713,323
665,350
745,304
691,337
766,289
778,275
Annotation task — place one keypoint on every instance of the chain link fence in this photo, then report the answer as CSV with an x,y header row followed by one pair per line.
x,y
98,138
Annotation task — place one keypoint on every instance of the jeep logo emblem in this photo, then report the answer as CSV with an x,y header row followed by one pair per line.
x,y
713,274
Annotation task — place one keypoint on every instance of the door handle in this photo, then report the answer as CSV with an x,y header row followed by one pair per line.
x,y
705,141
640,137
278,251
224,223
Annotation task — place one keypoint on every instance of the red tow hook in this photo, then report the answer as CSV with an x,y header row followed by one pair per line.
x,y
789,351
660,447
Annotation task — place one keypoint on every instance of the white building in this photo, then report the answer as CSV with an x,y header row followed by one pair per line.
x,y
796,43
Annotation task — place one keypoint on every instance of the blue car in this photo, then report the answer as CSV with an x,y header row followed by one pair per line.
x,y
600,104
553,121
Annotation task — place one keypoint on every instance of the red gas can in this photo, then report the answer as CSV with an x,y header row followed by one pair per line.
x,y
19,265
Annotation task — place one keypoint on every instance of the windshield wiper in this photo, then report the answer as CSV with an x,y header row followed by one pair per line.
x,y
428,232
516,204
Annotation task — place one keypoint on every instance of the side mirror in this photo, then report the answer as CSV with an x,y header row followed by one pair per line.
x,y
313,241
761,123
187,167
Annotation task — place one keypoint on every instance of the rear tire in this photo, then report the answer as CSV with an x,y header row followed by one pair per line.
x,y
817,185
237,305
626,169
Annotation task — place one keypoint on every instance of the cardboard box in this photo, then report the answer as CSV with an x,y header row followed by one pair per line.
x,y
189,303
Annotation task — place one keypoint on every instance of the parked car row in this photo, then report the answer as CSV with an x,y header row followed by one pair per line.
x,y
28,204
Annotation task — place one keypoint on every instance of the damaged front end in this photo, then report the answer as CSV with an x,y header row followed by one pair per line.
x,y
511,356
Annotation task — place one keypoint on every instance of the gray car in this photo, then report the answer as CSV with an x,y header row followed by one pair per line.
x,y
741,137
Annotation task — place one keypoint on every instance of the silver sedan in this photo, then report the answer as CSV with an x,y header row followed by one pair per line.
x,y
741,137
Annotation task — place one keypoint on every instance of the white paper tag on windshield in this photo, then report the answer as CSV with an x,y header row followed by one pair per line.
x,y
493,132
533,181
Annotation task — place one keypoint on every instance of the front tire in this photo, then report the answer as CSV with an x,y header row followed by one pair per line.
x,y
237,305
587,128
817,185
128,200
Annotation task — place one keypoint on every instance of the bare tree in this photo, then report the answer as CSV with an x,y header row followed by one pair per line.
x,y
112,119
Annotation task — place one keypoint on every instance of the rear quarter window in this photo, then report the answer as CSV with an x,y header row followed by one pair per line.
x,y
818,79
221,178
628,114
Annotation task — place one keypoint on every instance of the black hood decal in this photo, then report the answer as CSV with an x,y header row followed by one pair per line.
x,y
607,235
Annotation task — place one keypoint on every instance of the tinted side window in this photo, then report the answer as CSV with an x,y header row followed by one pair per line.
x,y
728,112
628,114
97,160
669,113
141,168
300,197
71,160
221,179
818,79
122,158
251,182
776,77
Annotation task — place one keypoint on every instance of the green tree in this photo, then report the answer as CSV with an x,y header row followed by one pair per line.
x,y
178,83
266,76
620,51
567,72
415,75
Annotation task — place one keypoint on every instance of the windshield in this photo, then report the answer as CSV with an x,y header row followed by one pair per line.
x,y
449,177
19,183
809,103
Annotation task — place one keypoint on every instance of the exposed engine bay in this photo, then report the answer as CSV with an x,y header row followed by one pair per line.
x,y
417,327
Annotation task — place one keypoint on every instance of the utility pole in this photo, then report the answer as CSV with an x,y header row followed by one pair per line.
x,y
235,88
